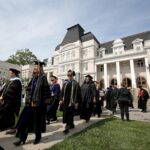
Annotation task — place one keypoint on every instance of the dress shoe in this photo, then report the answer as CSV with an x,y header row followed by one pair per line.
x,y
54,119
48,122
19,142
36,141
72,126
66,131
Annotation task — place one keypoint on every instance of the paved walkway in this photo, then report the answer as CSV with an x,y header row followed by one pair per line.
x,y
53,135
136,114
54,132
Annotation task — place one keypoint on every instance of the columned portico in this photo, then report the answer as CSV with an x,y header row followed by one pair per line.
x,y
105,76
118,74
132,73
147,71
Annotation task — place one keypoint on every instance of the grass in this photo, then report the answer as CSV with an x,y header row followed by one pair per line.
x,y
109,134
59,113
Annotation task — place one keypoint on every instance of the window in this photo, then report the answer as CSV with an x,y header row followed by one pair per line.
x,y
99,54
101,68
84,53
73,54
85,66
63,68
140,63
73,66
138,48
68,56
63,56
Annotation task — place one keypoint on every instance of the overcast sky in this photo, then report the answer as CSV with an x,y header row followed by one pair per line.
x,y
40,25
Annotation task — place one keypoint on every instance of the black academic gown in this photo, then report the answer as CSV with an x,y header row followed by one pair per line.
x,y
32,119
11,103
88,92
71,95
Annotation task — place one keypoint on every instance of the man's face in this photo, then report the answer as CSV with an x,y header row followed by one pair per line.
x,y
11,74
70,76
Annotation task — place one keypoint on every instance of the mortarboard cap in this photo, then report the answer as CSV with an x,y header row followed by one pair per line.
x,y
39,63
53,77
89,76
14,70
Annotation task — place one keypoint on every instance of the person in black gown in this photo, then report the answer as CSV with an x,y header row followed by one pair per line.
x,y
88,92
10,100
34,113
71,97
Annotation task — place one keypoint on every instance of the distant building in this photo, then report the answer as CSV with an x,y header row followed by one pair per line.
x,y
4,68
26,73
126,59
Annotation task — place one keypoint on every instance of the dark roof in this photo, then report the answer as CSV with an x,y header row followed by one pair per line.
x,y
88,36
57,47
127,41
74,34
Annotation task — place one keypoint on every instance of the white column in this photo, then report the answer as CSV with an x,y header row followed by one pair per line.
x,y
48,76
147,71
118,74
132,73
105,76
96,72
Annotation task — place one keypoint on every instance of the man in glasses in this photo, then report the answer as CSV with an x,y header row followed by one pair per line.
x,y
71,97
55,96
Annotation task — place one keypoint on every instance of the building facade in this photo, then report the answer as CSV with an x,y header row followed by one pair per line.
x,y
126,59
4,68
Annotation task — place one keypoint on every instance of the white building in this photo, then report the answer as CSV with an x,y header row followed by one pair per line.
x,y
126,59
26,72
4,68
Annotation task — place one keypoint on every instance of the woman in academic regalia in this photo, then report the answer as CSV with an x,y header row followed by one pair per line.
x,y
88,92
10,100
55,96
33,116
71,97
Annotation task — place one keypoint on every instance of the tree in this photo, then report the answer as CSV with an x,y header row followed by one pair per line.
x,y
22,57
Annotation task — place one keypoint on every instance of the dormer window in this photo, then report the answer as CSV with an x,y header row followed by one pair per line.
x,y
138,44
118,47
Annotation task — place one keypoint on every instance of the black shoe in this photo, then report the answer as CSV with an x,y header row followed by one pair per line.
x,y
19,142
66,131
36,141
72,126
144,111
48,122
54,119
99,115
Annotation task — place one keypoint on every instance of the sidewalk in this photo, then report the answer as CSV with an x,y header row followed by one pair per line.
x,y
136,114
55,135
52,136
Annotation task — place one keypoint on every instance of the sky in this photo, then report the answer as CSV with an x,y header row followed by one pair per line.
x,y
41,25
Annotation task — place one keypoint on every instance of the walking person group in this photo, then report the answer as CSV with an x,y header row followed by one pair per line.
x,y
43,99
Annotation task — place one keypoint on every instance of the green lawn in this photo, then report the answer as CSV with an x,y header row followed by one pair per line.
x,y
59,113
109,134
